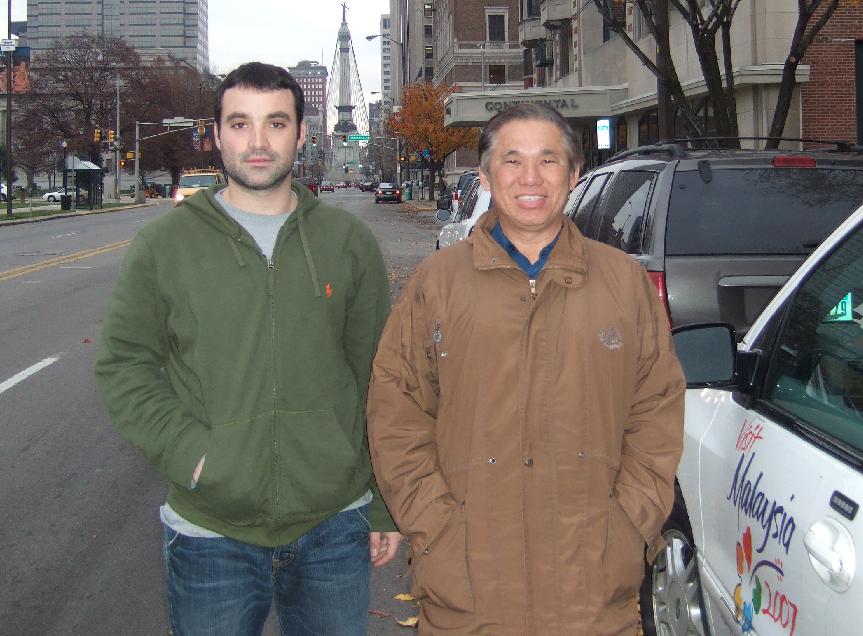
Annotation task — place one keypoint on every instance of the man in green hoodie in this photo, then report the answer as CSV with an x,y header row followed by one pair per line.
x,y
236,354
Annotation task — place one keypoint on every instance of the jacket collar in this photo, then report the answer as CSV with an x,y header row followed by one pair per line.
x,y
567,263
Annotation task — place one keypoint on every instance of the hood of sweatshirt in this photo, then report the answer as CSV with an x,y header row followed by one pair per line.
x,y
206,207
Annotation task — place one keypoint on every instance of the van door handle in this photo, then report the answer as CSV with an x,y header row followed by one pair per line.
x,y
831,553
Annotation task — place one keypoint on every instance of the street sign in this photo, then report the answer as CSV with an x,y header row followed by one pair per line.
x,y
178,122
426,153
130,155
7,45
358,137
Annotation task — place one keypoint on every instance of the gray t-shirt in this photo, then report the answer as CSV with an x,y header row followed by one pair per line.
x,y
264,228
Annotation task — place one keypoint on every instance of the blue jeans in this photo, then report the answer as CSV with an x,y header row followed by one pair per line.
x,y
223,587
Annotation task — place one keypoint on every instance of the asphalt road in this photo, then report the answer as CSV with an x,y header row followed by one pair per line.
x,y
80,547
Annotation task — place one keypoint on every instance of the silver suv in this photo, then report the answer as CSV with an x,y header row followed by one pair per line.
x,y
719,231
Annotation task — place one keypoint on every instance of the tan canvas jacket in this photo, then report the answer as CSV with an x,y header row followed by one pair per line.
x,y
527,443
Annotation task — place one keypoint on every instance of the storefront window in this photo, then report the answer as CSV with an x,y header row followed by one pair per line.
x,y
648,128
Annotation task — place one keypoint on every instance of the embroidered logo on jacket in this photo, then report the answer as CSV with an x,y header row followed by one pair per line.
x,y
328,290
611,338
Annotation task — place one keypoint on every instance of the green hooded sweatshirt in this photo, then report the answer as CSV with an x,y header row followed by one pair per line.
x,y
209,349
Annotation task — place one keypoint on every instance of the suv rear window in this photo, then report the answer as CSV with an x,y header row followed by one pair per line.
x,y
771,210
198,180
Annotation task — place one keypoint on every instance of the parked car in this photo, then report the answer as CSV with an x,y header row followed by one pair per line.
x,y
388,192
368,186
327,186
766,524
310,182
475,203
719,231
54,195
464,180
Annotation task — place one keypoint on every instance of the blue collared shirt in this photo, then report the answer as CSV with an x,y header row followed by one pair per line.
x,y
531,269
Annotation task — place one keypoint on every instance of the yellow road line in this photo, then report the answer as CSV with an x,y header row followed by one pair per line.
x,y
60,260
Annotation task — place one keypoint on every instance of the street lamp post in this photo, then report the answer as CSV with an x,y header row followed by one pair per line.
x,y
397,79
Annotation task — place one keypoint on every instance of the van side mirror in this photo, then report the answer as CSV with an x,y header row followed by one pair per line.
x,y
707,353
442,214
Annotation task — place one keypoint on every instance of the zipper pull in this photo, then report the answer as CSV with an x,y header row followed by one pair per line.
x,y
270,265
437,336
533,288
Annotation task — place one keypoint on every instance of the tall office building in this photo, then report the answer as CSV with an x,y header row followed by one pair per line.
x,y
312,78
167,28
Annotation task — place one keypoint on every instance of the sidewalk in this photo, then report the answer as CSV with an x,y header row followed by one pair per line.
x,y
42,207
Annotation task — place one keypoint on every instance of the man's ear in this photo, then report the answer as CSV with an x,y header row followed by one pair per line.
x,y
217,136
302,138
484,181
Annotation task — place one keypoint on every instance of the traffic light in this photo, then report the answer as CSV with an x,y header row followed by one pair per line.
x,y
122,163
110,136
202,127
97,135
344,139
314,140
346,168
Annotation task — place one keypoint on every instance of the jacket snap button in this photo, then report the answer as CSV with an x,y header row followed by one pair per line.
x,y
568,280
492,460
528,461
426,551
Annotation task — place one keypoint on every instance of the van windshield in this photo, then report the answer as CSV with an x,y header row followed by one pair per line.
x,y
772,210
197,180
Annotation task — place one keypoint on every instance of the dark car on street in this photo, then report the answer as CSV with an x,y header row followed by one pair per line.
x,y
368,186
388,192
719,231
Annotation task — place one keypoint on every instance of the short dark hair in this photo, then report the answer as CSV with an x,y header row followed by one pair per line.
x,y
529,111
263,77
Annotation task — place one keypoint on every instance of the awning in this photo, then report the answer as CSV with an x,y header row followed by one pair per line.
x,y
80,165
584,105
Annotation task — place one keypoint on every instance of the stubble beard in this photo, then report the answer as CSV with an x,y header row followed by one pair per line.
x,y
236,174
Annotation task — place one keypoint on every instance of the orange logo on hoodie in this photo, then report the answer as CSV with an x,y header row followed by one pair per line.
x,y
328,290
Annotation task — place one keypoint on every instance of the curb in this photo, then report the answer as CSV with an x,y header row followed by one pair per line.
x,y
68,215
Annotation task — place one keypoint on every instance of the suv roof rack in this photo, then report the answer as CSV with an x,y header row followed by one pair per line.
x,y
673,148
839,144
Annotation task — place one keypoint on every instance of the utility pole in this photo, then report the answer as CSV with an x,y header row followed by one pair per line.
x,y
117,176
9,114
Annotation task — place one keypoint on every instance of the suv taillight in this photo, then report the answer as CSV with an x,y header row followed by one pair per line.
x,y
791,161
658,280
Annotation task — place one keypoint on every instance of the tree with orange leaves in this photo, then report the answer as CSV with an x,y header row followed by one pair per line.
x,y
420,124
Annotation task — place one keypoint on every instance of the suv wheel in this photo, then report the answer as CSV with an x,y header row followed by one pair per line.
x,y
671,596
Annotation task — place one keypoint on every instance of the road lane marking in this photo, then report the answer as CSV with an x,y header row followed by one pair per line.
x,y
69,258
26,373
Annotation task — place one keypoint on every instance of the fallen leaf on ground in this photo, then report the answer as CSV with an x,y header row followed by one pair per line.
x,y
379,613
409,622
404,597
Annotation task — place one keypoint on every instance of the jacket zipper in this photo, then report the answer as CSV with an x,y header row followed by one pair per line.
x,y
532,282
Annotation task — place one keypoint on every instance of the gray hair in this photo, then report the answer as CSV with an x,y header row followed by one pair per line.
x,y
529,112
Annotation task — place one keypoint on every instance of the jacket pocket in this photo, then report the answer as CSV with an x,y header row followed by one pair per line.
x,y
623,560
441,576
315,462
235,479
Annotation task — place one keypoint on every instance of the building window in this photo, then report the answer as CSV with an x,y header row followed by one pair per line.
x,y
496,23
427,29
565,40
385,24
529,8
497,74
639,24
621,135
648,128
606,28
429,52
429,73
428,9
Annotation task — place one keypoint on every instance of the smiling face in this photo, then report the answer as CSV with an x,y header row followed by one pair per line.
x,y
530,177
258,137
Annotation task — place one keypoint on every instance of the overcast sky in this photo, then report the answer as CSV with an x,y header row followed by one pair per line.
x,y
283,32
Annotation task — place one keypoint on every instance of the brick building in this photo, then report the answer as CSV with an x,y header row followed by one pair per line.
x,y
832,99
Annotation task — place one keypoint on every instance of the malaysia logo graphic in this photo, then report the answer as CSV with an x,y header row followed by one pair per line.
x,y
611,338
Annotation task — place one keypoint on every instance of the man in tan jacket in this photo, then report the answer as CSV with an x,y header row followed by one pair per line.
x,y
526,409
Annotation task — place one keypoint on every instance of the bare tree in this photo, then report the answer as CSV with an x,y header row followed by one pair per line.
x,y
710,27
